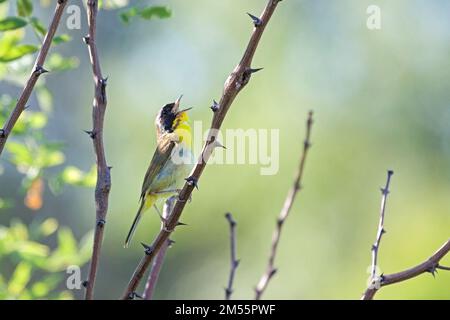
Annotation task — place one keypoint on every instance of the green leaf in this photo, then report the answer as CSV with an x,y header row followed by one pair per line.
x,y
39,289
74,176
48,158
24,8
48,227
112,4
30,121
160,12
6,204
30,250
18,52
20,278
127,15
67,245
12,23
9,40
57,62
20,154
38,26
61,39
146,13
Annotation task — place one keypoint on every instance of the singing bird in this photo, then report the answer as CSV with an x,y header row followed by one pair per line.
x,y
171,162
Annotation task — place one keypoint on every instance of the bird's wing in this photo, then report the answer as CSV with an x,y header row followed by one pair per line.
x,y
160,157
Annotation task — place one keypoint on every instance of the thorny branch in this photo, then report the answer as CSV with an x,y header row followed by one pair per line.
x,y
431,265
234,262
103,185
290,198
38,70
381,230
233,85
159,259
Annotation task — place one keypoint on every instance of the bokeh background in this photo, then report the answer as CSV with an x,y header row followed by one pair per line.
x,y
381,101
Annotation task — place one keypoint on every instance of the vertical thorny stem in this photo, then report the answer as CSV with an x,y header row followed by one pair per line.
x,y
290,198
103,185
159,260
381,230
234,262
234,84
38,70
431,265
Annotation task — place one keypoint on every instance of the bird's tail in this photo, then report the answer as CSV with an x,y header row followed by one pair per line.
x,y
145,203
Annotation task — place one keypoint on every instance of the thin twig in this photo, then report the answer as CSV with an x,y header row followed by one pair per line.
x,y
430,265
290,198
103,185
234,84
159,259
443,267
38,70
381,230
234,262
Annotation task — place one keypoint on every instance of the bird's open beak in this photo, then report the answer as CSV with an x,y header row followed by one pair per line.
x,y
184,110
176,105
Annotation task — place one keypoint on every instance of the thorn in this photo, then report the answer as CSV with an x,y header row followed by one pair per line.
x,y
228,291
384,191
280,222
236,263
230,219
217,144
192,181
215,106
433,270
148,249
383,231
27,107
170,242
307,144
133,295
104,81
2,133
256,20
272,272
163,220
40,70
247,74
86,39
91,134
179,224
101,223
253,70
85,283
374,247
109,168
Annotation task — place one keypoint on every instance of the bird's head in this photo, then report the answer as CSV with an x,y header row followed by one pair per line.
x,y
170,116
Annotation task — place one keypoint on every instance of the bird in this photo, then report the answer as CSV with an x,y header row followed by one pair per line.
x,y
171,161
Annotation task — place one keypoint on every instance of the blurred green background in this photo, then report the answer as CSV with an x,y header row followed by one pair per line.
x,y
381,101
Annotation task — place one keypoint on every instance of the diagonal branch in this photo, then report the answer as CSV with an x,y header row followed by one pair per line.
x,y
429,265
233,85
159,259
381,230
38,70
271,270
103,185
234,262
